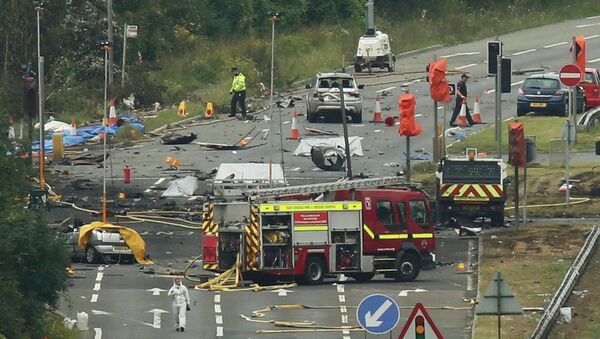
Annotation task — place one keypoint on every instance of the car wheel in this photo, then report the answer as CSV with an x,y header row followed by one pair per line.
x,y
362,277
408,267
314,272
91,255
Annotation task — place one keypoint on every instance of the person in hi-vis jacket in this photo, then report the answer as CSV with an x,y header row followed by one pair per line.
x,y
181,302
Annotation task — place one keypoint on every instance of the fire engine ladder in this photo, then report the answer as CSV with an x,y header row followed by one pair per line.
x,y
329,186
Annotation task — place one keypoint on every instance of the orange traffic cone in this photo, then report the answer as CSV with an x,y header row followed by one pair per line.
x,y
294,133
377,118
462,116
182,109
112,115
209,113
73,126
476,114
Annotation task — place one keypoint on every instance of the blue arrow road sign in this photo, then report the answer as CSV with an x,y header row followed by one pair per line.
x,y
378,314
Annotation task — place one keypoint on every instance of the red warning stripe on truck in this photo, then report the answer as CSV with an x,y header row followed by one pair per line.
x,y
472,192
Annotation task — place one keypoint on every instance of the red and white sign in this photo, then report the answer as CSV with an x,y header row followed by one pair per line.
x,y
420,323
308,218
132,31
570,75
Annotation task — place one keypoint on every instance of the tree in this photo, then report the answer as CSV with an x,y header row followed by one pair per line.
x,y
32,257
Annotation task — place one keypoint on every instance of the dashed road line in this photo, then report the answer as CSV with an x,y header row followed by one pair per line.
x,y
593,17
99,276
591,37
470,276
524,52
594,60
158,182
466,66
97,287
490,91
341,289
98,333
588,25
217,308
556,44
97,284
218,315
94,298
459,54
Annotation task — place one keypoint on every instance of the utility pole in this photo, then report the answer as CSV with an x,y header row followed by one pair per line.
x,y
124,55
345,125
274,17
39,8
110,41
436,137
106,47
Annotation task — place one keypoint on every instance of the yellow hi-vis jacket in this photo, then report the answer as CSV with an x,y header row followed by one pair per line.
x,y
239,83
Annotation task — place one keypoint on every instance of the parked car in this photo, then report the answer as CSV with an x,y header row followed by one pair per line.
x,y
102,246
591,87
323,96
544,93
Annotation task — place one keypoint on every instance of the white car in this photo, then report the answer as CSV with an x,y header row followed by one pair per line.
x,y
323,96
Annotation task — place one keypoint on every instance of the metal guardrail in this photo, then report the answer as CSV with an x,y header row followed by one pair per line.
x,y
566,287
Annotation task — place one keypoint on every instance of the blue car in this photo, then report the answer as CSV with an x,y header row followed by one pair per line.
x,y
545,94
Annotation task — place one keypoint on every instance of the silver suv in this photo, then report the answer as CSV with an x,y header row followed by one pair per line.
x,y
324,96
102,246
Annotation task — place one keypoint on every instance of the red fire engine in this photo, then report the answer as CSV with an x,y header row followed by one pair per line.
x,y
359,232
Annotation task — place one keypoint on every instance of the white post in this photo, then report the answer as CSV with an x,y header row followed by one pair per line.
x,y
124,55
273,18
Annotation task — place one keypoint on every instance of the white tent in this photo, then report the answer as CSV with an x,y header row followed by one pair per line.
x,y
306,144
185,187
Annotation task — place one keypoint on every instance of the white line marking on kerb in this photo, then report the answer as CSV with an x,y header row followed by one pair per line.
x,y
466,66
591,37
588,25
97,287
524,52
219,331
94,298
459,54
556,44
98,332
595,60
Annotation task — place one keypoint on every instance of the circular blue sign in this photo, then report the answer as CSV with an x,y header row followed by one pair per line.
x,y
378,314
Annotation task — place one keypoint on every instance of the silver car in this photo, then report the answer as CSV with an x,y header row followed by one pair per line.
x,y
102,246
323,96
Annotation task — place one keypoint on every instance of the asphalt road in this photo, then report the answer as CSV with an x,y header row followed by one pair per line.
x,y
122,306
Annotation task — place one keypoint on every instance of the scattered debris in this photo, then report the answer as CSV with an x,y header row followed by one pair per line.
x,y
328,158
177,139
316,131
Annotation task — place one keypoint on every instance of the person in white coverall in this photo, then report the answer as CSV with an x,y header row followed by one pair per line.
x,y
181,302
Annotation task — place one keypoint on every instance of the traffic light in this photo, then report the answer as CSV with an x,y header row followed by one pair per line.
x,y
505,76
516,141
438,84
580,53
419,327
494,49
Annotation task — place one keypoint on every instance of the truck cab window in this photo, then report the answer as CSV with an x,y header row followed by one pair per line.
x,y
384,212
401,215
418,212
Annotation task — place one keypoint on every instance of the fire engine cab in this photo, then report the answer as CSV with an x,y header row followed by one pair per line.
x,y
357,231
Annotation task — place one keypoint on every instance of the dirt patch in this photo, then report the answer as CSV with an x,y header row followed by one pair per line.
x,y
533,261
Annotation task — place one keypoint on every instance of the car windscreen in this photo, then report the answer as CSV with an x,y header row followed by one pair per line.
x,y
589,78
541,83
334,83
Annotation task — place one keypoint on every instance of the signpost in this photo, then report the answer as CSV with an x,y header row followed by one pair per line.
x,y
130,31
378,314
420,325
499,299
570,75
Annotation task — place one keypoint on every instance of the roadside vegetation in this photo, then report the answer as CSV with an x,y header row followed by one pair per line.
x,y
185,48
533,260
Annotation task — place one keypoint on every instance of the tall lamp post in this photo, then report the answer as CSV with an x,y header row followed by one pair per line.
x,y
106,47
274,18
39,7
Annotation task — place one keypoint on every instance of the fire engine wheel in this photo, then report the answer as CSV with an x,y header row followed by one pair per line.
x,y
408,267
362,277
314,271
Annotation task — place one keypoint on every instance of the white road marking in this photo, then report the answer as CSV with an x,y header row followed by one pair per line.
x,y
217,298
404,293
459,54
147,190
593,17
343,309
97,287
524,52
466,66
346,332
490,91
159,181
517,83
340,288
418,115
556,44
217,308
342,298
94,298
219,331
588,25
470,276
98,332
344,318
99,276
100,268
346,337
343,277
591,37
219,319
595,60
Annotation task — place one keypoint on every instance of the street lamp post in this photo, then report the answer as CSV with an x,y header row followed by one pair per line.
x,y
106,47
39,8
274,18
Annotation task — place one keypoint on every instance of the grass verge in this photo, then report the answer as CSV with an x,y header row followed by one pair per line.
x,y
533,261
543,128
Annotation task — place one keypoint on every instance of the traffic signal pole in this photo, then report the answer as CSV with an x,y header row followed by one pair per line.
x,y
499,106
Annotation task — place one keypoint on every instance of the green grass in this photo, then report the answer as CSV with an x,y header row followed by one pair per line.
x,y
543,128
